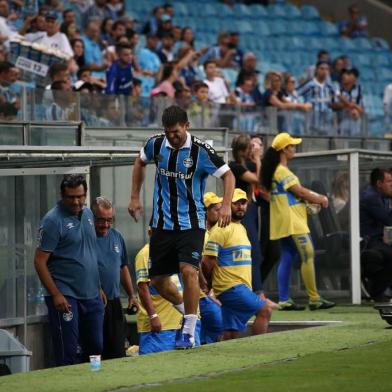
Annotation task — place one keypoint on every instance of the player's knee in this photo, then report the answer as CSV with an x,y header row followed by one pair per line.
x,y
189,272
265,312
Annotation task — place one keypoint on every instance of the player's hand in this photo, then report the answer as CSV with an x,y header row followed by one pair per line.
x,y
135,208
103,297
61,303
132,301
156,325
324,202
224,216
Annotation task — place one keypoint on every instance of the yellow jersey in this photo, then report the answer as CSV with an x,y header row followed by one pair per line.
x,y
287,212
231,246
170,318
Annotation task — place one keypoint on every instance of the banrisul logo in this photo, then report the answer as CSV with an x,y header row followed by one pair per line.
x,y
188,162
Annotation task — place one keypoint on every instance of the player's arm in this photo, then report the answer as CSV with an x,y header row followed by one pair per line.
x,y
126,282
308,195
208,263
146,300
41,259
228,190
135,208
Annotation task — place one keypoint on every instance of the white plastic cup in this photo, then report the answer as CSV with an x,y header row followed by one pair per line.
x,y
388,235
95,363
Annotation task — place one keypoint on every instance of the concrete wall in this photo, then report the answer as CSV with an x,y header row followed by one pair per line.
x,y
379,14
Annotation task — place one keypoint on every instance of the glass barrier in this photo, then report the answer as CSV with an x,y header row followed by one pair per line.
x,y
330,228
54,136
11,134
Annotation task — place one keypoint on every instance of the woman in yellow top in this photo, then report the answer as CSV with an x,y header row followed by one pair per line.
x,y
288,221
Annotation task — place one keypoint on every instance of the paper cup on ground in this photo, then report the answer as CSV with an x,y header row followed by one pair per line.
x,y
95,362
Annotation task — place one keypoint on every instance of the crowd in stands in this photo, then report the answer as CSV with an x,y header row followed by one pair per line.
x,y
111,52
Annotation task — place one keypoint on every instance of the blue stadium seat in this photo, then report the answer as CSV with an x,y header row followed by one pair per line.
x,y
346,44
328,29
261,28
258,11
362,44
294,27
379,43
276,11
227,12
243,27
242,10
382,60
367,74
230,75
278,27
384,74
310,28
292,12
309,12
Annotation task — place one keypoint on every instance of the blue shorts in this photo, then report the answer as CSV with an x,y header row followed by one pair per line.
x,y
153,342
239,304
211,321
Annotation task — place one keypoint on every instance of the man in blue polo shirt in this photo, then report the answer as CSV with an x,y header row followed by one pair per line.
x,y
66,263
113,269
93,55
183,164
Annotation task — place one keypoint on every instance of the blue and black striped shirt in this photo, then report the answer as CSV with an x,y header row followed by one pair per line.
x,y
180,181
320,95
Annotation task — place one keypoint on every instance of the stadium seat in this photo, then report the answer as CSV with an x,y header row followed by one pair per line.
x,y
382,60
310,28
278,27
328,29
261,28
227,12
362,44
258,11
242,10
367,74
384,74
379,43
292,12
276,11
309,12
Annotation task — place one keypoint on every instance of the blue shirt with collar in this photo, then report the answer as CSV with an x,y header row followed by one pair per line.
x,y
93,55
375,213
72,243
112,256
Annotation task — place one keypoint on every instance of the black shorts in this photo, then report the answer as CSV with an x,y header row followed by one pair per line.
x,y
169,248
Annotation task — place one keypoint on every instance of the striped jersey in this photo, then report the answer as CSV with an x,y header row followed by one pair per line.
x,y
320,95
180,180
354,95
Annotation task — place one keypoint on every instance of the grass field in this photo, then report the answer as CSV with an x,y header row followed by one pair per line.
x,y
355,355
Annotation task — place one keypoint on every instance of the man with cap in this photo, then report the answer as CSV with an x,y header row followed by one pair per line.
x,y
227,267
210,310
52,38
289,222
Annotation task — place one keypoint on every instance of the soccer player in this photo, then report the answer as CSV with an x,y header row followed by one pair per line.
x,y
66,263
210,310
289,221
113,269
183,164
227,267
157,320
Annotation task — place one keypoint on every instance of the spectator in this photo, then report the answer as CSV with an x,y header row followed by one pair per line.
x,y
119,77
168,9
119,30
187,37
199,110
340,197
165,26
244,92
223,54
234,43
337,69
274,95
59,73
351,101
63,105
52,38
68,268
151,26
55,6
375,214
70,30
322,55
150,64
322,95
77,45
187,60
357,24
8,97
92,51
166,53
69,16
182,95
288,221
106,32
217,89
33,29
165,86
96,12
5,31
113,269
249,65
115,8
388,105
84,75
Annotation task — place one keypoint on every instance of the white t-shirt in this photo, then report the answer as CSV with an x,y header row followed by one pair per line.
x,y
388,99
217,91
5,29
57,41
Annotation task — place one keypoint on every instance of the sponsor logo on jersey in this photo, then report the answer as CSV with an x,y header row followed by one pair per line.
x,y
68,316
188,162
180,175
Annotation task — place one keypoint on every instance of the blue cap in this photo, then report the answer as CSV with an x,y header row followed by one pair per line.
x,y
51,15
165,18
